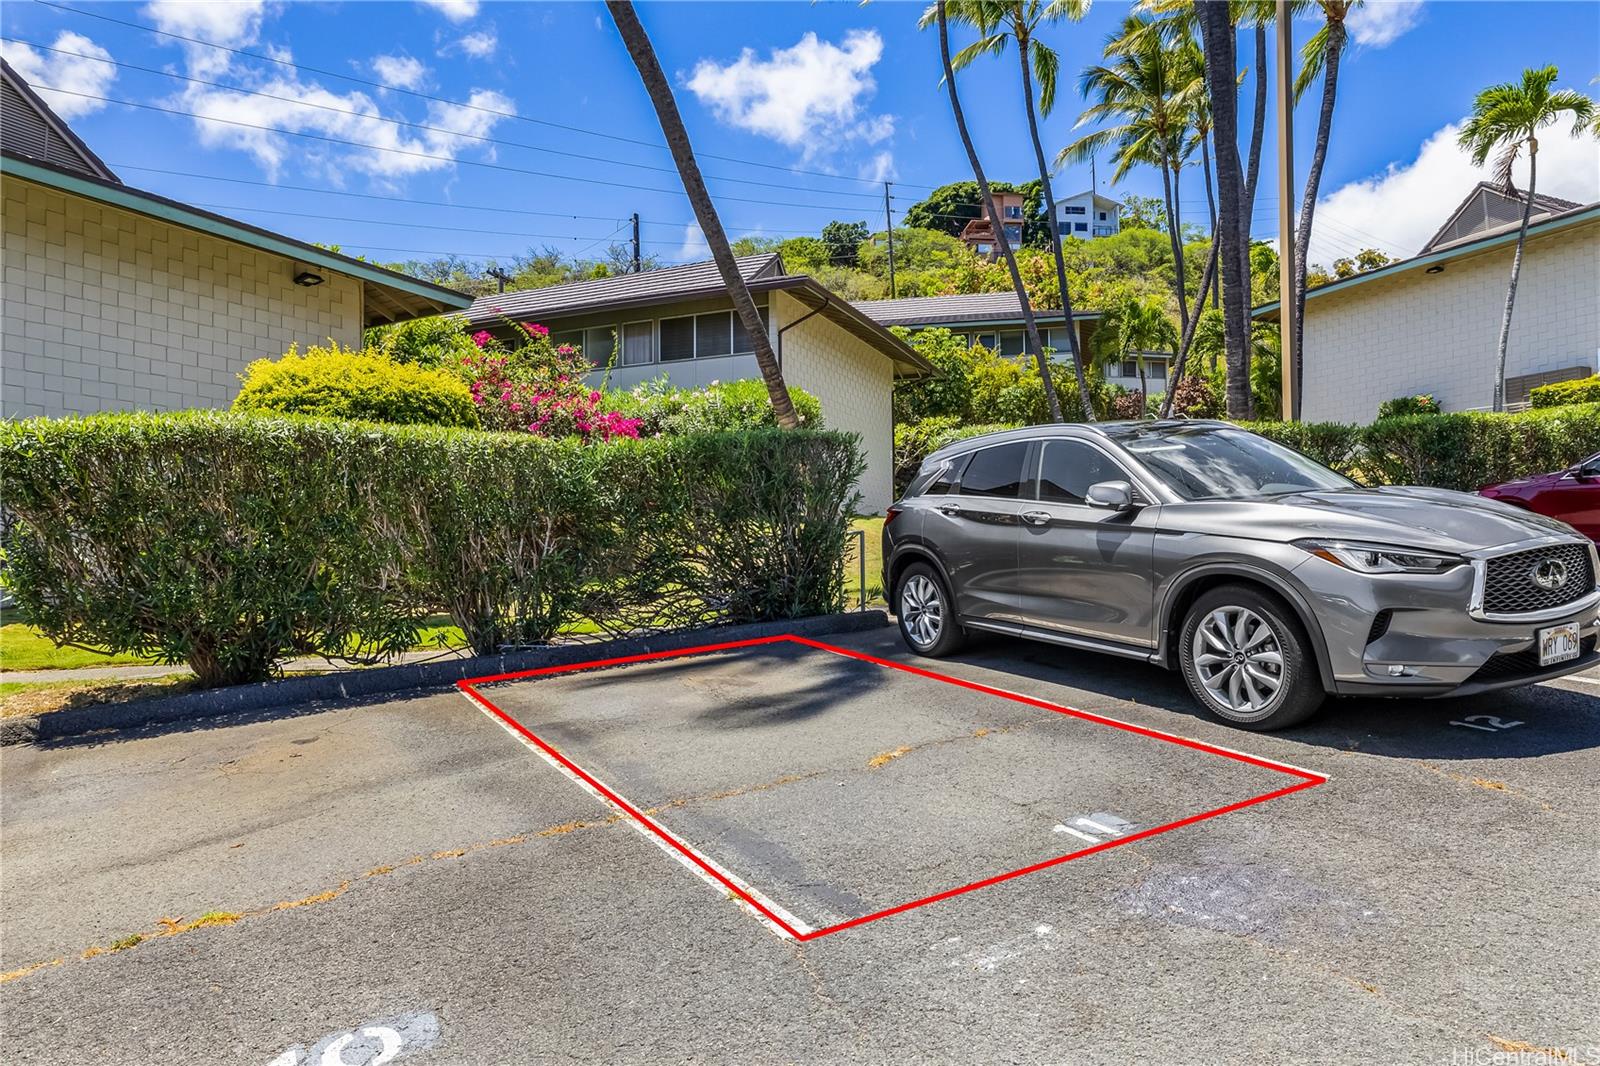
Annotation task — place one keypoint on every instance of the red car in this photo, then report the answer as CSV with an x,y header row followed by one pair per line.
x,y
1571,495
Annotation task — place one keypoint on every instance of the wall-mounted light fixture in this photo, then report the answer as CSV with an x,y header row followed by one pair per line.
x,y
308,278
1437,268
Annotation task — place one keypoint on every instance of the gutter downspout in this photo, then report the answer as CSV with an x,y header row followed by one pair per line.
x,y
827,299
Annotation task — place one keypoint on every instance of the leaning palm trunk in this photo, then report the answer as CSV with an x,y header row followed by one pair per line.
x,y
1516,271
1308,204
705,213
1031,326
1211,201
1233,223
1170,193
1181,364
1086,408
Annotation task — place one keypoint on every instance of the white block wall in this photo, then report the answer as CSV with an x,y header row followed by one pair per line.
x,y
108,310
1438,333
854,383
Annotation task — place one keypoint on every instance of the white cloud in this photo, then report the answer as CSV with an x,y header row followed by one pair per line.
x,y
400,72
694,244
879,168
233,24
480,45
1407,203
811,96
396,150
455,10
69,72
1381,22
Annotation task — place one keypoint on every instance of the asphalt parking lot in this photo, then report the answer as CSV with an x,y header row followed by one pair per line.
x,y
411,880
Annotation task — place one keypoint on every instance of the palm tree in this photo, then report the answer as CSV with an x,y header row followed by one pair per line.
x,y
1233,214
1507,118
1133,327
1319,56
1148,96
694,186
1019,21
1001,240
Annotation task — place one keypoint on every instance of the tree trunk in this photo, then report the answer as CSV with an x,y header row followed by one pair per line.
x,y
1031,326
1516,271
1233,224
1308,203
705,213
1211,205
1086,409
1144,387
1175,375
1258,125
1169,194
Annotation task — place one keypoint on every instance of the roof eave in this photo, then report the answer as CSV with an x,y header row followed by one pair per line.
x,y
410,296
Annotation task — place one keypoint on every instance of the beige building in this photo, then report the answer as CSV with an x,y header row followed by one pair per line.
x,y
677,325
1431,324
119,299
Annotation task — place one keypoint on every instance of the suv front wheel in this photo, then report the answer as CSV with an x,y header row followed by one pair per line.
x,y
927,616
1247,661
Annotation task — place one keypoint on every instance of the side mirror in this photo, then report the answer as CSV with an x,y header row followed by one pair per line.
x,y
1584,471
1110,496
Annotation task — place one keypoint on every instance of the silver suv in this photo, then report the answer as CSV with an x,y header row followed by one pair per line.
x,y
1269,580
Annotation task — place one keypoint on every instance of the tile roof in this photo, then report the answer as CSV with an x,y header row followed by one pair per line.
x,y
651,286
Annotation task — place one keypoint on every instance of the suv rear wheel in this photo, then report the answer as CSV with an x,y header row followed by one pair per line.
x,y
1247,661
927,617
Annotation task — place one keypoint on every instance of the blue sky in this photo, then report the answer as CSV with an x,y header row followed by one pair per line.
x,y
841,92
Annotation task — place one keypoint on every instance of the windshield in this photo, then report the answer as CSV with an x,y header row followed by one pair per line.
x,y
1229,464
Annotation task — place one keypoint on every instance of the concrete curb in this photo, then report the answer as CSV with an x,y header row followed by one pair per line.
x,y
376,681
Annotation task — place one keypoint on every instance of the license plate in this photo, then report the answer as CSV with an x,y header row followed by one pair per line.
x,y
1557,644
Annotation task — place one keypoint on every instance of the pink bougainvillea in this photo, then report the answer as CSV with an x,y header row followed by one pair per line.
x,y
535,330
544,394
482,338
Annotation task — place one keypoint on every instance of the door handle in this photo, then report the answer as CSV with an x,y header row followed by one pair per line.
x,y
949,509
1036,518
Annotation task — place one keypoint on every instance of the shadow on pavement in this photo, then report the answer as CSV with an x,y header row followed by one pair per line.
x,y
1512,724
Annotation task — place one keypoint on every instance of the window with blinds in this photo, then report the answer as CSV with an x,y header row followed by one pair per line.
x,y
677,339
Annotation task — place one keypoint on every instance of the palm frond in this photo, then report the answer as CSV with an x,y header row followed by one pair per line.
x,y
1313,58
993,44
1046,71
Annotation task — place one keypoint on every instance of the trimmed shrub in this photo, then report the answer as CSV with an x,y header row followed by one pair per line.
x,y
440,341
661,409
335,382
1562,393
1465,450
1333,444
232,542
1423,404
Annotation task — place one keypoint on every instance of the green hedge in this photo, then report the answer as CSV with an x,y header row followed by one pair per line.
x,y
232,542
1561,393
717,408
359,385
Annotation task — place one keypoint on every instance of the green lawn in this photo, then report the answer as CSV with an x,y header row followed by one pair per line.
x,y
23,647
872,525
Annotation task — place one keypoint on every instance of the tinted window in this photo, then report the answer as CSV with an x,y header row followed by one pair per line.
x,y
677,339
1070,467
995,471
936,479
1228,464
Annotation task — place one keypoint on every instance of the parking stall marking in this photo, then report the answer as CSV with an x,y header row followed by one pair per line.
x,y
777,918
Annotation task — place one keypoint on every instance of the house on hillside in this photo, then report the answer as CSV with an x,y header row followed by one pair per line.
x,y
678,325
1088,215
119,299
979,234
994,320
1431,323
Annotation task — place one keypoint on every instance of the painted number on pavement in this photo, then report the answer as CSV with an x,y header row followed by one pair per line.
x,y
374,1043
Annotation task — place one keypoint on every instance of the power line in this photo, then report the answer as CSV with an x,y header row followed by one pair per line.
x,y
260,57
422,203
483,138
425,155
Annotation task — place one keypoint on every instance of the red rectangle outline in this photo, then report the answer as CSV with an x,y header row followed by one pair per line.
x,y
1307,778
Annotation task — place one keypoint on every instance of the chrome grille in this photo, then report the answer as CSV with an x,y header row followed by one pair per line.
x,y
1509,586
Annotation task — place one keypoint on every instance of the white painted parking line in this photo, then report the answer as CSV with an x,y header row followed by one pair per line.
x,y
1090,823
1579,678
1074,832
678,856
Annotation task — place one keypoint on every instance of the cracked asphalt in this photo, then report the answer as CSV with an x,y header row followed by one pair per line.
x,y
405,881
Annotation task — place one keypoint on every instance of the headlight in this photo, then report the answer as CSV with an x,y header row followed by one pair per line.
x,y
1379,558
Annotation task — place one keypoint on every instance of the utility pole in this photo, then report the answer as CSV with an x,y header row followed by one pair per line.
x,y
1287,312
1094,178
888,221
635,265
499,275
